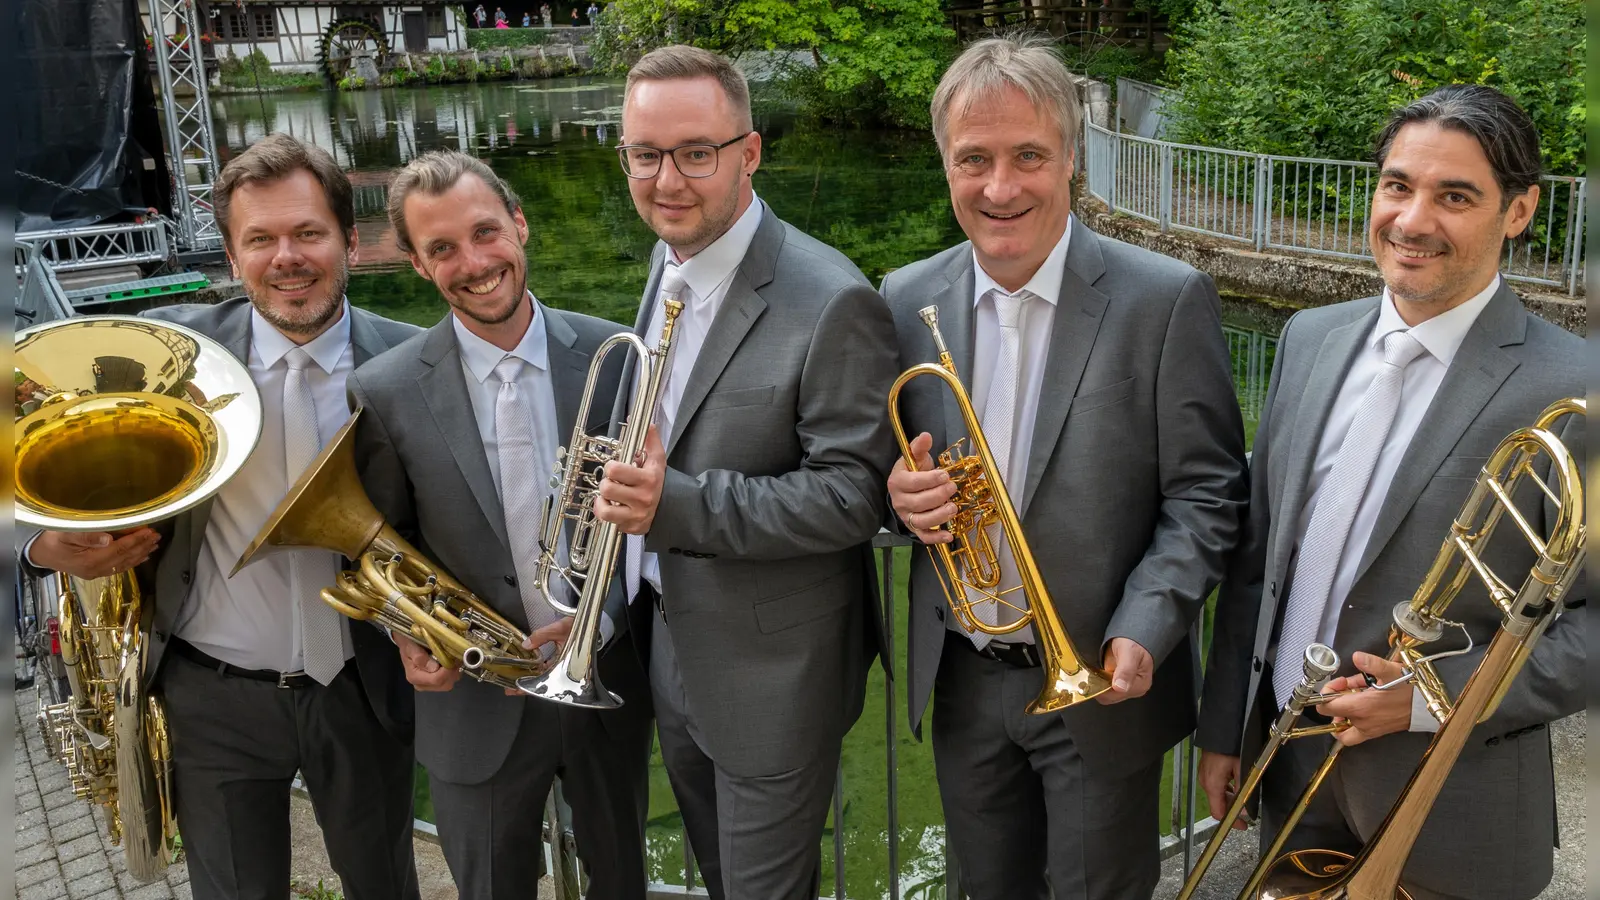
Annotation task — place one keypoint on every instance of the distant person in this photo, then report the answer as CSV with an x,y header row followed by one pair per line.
x,y
527,20
479,15
544,13
591,12
499,17
574,17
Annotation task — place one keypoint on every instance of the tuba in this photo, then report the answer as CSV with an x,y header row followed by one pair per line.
x,y
1527,611
392,584
592,557
121,422
973,565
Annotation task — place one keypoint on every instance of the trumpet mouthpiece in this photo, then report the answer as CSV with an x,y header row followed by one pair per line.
x,y
1321,662
930,316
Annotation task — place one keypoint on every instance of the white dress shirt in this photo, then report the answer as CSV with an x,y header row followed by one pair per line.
x,y
1441,337
252,620
1037,320
478,359
707,276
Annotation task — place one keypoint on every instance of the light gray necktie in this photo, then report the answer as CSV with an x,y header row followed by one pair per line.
x,y
322,633
999,420
672,285
523,477
1325,542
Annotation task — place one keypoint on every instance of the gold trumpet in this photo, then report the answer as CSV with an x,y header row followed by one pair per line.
x,y
393,583
1527,610
591,560
121,422
974,564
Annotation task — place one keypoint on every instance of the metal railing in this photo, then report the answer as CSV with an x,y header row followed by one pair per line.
x,y
70,249
1302,204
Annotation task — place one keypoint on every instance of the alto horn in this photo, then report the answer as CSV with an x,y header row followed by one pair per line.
x,y
393,584
973,567
121,423
573,678
1527,611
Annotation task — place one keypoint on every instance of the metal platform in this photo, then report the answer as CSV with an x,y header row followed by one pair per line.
x,y
181,283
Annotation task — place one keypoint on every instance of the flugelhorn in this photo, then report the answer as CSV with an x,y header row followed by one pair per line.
x,y
1527,610
973,565
573,678
121,422
393,583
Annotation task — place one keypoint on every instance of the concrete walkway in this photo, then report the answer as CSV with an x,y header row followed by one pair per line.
x,y
62,850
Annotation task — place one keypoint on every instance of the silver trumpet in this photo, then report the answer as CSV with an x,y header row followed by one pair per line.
x,y
573,678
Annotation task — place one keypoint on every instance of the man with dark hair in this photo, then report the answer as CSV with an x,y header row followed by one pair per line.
x,y
1379,416
761,486
260,678
455,446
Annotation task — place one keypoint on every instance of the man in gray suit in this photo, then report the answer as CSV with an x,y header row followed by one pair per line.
x,y
1380,414
456,446
760,492
1100,376
255,669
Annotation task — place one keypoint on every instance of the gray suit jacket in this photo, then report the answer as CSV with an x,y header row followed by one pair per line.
x,y
1510,367
423,464
773,492
228,323
1136,471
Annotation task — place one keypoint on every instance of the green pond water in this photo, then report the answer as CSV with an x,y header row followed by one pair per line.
x,y
879,197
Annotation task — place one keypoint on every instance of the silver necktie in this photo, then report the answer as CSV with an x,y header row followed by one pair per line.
x,y
1325,542
522,486
322,631
999,421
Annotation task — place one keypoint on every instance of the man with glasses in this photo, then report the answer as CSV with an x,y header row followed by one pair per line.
x,y
760,487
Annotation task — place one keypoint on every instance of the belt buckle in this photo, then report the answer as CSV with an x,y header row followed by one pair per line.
x,y
283,678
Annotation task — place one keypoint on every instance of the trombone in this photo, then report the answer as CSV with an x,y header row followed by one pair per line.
x,y
573,677
974,565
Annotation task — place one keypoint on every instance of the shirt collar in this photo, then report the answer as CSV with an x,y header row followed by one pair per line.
x,y
707,270
481,356
1441,335
1045,283
271,345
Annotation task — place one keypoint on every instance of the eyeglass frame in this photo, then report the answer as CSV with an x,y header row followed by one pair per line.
x,y
622,156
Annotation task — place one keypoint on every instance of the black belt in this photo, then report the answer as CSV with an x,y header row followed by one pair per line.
x,y
288,680
1021,656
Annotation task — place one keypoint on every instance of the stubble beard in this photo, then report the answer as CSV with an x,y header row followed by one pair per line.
x,y
499,318
314,316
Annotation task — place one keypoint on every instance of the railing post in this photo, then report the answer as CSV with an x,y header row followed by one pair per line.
x,y
890,726
1576,257
1165,196
1258,204
1115,143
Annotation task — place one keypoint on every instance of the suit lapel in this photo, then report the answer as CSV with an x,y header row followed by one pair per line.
x,y
1334,358
955,323
365,340
1476,373
233,333
443,386
620,409
569,371
737,314
1080,309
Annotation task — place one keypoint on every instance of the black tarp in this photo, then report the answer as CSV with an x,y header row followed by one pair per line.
x,y
88,138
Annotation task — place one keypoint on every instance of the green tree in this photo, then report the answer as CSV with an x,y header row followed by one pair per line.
x,y
865,61
1318,77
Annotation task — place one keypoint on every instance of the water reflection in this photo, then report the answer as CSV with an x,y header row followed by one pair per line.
x,y
880,198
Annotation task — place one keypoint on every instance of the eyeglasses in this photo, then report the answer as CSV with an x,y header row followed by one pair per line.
x,y
692,160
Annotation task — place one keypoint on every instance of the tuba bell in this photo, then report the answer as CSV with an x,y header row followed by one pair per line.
x,y
1527,610
392,584
591,559
982,501
121,422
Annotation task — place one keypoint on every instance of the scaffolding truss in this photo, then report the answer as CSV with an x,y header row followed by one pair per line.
x,y
191,145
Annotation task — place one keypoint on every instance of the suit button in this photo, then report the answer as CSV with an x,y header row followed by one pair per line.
x,y
1255,663
939,611
186,577
160,635
1274,589
511,580
1492,742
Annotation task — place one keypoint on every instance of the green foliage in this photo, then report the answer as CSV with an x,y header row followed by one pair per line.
x,y
505,38
1319,77
352,83
870,61
319,892
255,71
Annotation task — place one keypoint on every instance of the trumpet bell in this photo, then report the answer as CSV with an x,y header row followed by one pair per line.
x,y
560,686
1064,687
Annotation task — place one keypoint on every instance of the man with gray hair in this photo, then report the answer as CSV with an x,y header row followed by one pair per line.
x,y
1380,414
761,486
456,443
1100,376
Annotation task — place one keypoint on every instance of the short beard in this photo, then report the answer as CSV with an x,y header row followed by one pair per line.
x,y
712,227
316,318
510,310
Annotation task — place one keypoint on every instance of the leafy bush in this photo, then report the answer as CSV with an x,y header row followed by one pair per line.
x,y
869,62
1319,77
505,38
255,71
